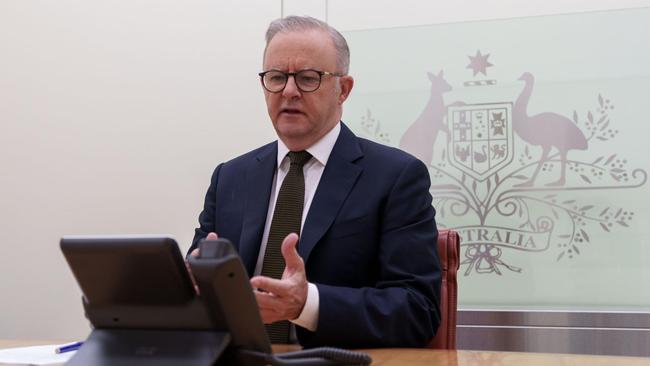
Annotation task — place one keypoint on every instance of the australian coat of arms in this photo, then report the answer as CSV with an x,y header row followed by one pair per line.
x,y
506,180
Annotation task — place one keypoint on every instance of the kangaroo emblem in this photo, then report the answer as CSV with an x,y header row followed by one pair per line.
x,y
420,137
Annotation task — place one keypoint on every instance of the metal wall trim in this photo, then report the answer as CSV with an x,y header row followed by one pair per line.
x,y
625,333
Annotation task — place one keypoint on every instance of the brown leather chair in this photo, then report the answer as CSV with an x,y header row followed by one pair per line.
x,y
449,253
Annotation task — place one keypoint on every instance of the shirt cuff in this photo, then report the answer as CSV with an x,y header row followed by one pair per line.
x,y
308,318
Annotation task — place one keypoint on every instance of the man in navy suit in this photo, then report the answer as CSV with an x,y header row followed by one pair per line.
x,y
364,272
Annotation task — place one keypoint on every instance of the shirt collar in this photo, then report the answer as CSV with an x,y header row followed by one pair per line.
x,y
321,150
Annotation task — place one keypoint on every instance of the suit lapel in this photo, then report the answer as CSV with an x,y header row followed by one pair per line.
x,y
337,180
257,192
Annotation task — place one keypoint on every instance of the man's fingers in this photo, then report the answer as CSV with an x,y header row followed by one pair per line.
x,y
211,236
268,302
283,298
271,285
269,306
290,254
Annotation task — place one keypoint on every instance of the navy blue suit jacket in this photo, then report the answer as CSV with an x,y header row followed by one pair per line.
x,y
368,241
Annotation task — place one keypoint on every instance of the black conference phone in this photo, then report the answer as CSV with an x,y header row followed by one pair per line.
x,y
146,308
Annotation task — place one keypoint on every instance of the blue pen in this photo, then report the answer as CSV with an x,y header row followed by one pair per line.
x,y
69,347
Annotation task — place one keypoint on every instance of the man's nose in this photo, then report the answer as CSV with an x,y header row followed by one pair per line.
x,y
291,89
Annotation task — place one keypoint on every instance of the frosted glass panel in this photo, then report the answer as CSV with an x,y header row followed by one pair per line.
x,y
535,132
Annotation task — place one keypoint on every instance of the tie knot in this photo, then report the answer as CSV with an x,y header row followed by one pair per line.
x,y
299,157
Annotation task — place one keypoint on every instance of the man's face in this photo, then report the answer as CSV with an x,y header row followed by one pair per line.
x,y
299,118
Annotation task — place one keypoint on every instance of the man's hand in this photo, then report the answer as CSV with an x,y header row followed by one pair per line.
x,y
283,299
211,236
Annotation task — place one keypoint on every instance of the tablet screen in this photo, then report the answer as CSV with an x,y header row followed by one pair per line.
x,y
128,270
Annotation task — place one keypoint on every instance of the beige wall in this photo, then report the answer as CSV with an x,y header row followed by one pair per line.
x,y
113,115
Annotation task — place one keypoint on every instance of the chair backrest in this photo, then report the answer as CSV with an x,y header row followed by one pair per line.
x,y
449,254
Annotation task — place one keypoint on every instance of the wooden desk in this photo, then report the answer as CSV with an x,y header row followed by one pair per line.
x,y
421,357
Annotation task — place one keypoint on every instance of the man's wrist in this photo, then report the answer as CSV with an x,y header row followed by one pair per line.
x,y
308,318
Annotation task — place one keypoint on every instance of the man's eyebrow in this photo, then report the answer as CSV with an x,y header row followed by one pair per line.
x,y
297,70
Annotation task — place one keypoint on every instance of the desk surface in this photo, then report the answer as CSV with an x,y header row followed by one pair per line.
x,y
417,357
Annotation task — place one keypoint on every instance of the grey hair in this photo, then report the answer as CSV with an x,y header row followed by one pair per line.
x,y
297,24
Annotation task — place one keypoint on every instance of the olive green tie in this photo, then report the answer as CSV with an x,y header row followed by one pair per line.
x,y
287,217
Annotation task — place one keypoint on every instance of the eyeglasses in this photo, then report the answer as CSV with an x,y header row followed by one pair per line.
x,y
306,80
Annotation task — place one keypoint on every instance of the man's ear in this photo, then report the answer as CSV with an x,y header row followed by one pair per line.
x,y
346,82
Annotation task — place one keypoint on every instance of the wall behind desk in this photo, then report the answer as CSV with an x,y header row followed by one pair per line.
x,y
113,115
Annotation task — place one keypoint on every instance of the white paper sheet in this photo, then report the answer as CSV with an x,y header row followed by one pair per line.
x,y
36,355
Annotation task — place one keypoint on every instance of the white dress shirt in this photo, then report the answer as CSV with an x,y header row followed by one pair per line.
x,y
313,170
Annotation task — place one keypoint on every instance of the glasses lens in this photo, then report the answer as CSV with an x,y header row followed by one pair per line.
x,y
308,80
274,80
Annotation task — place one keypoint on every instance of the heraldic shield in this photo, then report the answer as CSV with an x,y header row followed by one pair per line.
x,y
481,140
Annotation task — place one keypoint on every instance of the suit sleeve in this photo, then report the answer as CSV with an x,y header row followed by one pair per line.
x,y
207,217
402,308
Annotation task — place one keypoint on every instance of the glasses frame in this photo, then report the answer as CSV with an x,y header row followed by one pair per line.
x,y
293,74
